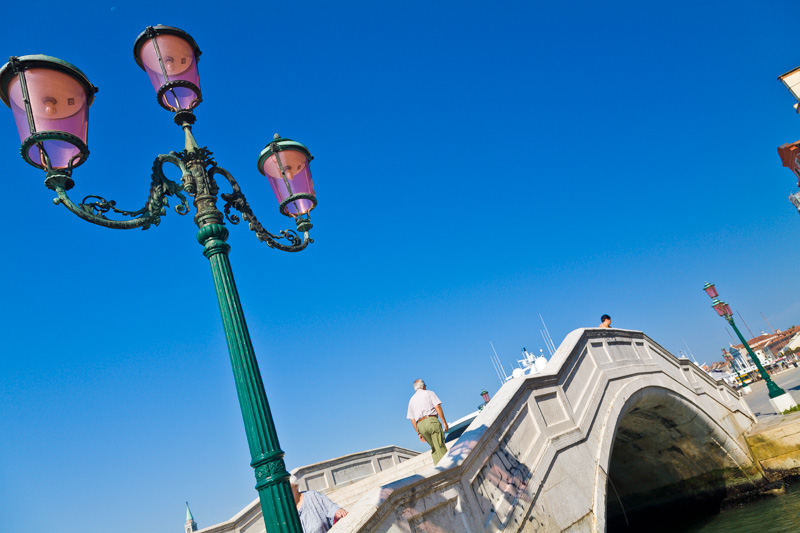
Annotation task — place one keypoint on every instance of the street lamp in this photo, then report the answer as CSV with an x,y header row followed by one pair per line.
x,y
50,101
777,396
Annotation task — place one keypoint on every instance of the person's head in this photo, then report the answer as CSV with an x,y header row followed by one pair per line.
x,y
295,489
605,319
419,385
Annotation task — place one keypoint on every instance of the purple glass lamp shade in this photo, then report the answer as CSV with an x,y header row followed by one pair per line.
x,y
710,290
169,56
285,163
54,122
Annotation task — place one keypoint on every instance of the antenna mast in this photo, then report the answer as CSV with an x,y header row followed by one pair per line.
x,y
690,350
498,367
745,325
767,321
548,340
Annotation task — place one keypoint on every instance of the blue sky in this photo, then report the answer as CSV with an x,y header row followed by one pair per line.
x,y
476,165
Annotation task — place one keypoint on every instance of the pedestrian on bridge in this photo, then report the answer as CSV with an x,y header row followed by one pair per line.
x,y
317,512
605,322
424,411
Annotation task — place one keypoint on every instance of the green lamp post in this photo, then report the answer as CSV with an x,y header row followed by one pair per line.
x,y
778,397
50,101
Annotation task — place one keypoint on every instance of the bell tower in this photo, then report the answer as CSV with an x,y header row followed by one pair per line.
x,y
191,525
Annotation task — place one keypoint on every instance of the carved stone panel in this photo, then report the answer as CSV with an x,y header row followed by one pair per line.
x,y
551,408
316,482
385,462
581,380
353,471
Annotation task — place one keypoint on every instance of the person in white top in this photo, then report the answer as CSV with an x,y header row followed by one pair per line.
x,y
423,409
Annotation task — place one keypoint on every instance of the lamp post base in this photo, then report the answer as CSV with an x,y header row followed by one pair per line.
x,y
782,403
773,388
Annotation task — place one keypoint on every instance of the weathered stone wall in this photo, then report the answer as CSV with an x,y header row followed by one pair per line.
x,y
777,448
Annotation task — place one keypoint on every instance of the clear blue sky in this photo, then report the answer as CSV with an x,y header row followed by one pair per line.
x,y
476,165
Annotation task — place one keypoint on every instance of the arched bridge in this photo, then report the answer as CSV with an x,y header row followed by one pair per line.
x,y
614,424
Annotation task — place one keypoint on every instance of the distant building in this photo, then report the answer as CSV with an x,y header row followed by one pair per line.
x,y
767,347
790,157
741,363
793,347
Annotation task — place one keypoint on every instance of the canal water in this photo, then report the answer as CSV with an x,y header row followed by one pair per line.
x,y
775,514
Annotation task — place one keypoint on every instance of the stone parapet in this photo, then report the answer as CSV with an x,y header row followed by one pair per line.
x,y
337,477
339,472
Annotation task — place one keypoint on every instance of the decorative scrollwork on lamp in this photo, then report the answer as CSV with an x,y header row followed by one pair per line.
x,y
94,208
237,201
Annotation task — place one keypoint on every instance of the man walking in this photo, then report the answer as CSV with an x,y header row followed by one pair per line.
x,y
423,409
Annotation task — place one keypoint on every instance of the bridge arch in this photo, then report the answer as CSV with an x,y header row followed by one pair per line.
x,y
659,448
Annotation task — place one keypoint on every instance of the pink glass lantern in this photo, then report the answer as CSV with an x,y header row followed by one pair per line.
x,y
721,308
169,56
50,100
285,163
485,396
710,290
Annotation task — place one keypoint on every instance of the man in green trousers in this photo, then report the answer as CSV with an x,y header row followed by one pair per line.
x,y
424,411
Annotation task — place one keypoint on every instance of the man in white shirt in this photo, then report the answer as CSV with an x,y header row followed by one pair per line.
x,y
423,409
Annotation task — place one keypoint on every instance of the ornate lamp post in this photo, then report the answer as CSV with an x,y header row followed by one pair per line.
x,y
777,396
50,100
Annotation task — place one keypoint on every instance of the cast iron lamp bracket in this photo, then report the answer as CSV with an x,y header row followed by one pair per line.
x,y
184,116
237,201
94,208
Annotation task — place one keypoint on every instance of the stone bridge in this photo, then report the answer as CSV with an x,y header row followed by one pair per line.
x,y
614,424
